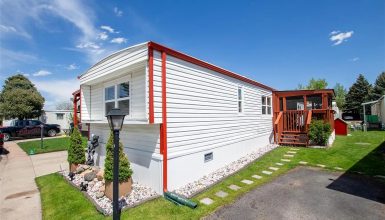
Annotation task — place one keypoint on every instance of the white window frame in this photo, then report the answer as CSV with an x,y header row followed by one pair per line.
x,y
115,84
240,100
266,106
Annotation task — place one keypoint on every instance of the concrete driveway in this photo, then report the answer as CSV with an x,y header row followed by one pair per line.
x,y
308,193
19,195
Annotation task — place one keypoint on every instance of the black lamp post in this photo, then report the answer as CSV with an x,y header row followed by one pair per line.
x,y
115,119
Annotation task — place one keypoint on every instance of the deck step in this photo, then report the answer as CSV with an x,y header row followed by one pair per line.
x,y
292,143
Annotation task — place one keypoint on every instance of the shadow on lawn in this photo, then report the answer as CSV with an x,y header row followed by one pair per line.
x,y
352,182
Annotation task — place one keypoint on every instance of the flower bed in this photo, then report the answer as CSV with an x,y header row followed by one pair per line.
x,y
93,178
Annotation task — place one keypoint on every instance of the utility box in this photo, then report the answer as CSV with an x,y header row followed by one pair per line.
x,y
341,127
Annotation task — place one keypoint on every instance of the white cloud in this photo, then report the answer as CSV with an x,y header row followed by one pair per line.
x,y
72,66
13,58
107,28
4,28
42,73
355,59
103,36
56,91
86,45
118,12
119,40
339,37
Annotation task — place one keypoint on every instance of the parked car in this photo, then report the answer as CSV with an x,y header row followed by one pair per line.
x,y
1,141
28,128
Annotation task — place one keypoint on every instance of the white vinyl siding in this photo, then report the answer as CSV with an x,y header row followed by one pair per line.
x,y
202,108
93,97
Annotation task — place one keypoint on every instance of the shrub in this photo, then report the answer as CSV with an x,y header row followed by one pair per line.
x,y
76,151
319,132
125,171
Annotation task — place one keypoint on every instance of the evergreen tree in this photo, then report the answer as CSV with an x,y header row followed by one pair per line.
x,y
379,87
359,93
340,93
125,171
76,151
20,98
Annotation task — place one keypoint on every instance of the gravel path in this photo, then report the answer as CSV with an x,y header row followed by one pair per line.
x,y
195,187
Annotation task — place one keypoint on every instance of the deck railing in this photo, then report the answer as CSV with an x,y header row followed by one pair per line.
x,y
298,121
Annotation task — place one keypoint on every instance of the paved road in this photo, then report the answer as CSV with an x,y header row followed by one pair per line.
x,y
19,195
307,193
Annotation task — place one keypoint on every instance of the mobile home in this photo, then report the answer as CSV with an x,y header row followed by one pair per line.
x,y
185,117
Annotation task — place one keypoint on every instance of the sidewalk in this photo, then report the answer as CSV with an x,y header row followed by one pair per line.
x,y
19,195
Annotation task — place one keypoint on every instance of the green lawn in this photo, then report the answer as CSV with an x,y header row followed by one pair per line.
x,y
49,145
62,201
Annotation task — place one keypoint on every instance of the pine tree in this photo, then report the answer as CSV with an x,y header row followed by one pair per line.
x,y
125,171
359,93
379,87
76,151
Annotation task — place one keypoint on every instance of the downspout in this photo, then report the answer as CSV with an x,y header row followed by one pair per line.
x,y
151,84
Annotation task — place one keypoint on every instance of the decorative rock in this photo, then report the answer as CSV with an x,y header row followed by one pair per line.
x,y
234,187
303,162
85,166
100,175
288,155
99,195
321,165
294,148
291,152
279,164
79,169
95,169
274,168
85,172
89,176
256,177
285,160
102,188
221,194
207,201
267,172
248,182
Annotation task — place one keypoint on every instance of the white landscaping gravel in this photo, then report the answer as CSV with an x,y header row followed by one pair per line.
x,y
197,186
138,195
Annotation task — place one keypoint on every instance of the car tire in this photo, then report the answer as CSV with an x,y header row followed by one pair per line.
x,y
7,137
51,133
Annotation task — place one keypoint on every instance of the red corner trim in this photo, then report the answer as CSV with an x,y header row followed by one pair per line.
x,y
164,122
151,84
204,64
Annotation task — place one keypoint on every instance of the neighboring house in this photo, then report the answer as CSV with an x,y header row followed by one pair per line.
x,y
185,117
292,120
60,117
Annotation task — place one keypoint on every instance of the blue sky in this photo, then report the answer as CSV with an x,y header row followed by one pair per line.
x,y
279,43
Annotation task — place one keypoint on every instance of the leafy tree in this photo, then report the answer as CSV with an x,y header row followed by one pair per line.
x,y
359,93
314,84
379,87
76,151
340,93
64,105
20,98
125,171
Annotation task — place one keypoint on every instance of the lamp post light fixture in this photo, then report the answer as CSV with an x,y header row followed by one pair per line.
x,y
115,119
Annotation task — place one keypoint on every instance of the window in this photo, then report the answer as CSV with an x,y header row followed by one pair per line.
x,y
117,96
59,116
240,99
208,157
35,123
266,105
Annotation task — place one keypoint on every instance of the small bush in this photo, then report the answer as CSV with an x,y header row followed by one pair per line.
x,y
319,132
125,171
76,152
